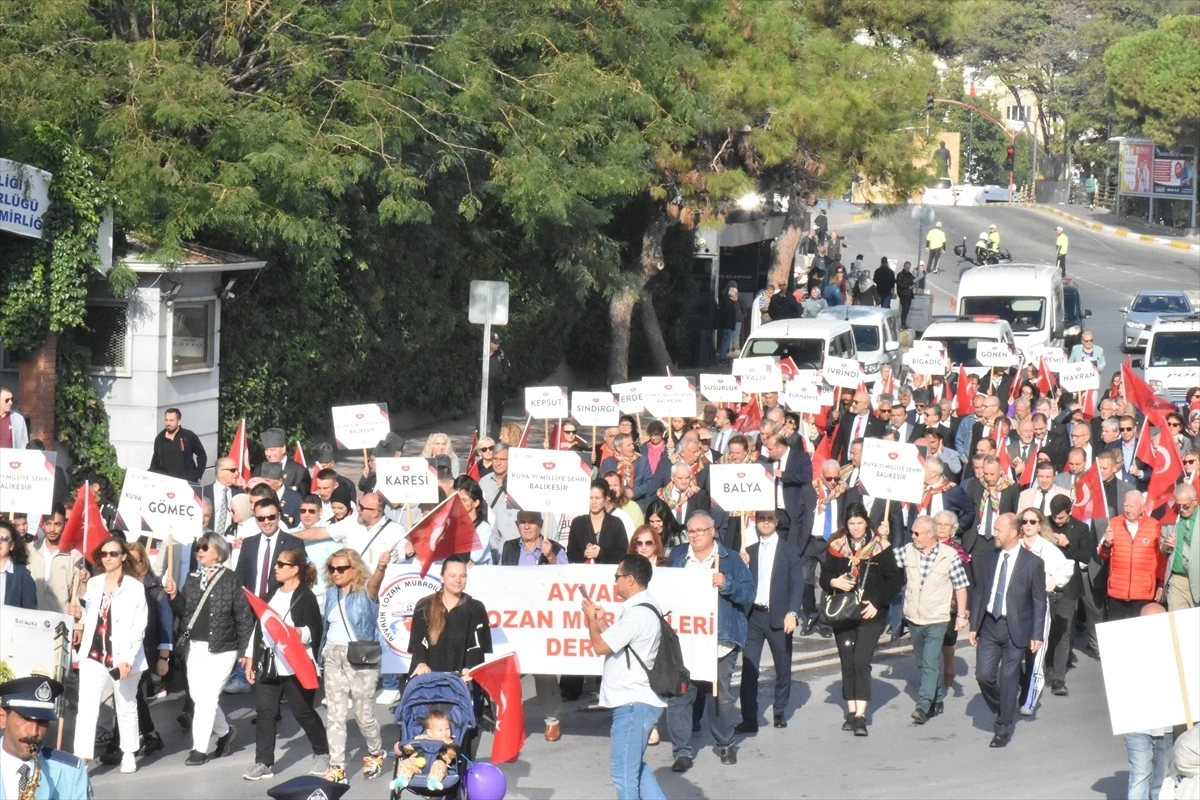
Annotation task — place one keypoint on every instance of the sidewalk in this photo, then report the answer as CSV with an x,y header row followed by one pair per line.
x,y
1105,221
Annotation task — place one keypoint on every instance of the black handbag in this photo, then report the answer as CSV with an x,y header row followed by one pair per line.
x,y
361,653
842,607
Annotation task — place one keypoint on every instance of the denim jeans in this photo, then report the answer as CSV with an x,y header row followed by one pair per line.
x,y
885,300
1147,763
631,777
726,343
927,647
391,681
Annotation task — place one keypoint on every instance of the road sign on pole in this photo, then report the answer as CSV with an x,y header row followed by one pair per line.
x,y
488,306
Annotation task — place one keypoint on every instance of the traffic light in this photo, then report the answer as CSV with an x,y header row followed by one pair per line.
x,y
1009,155
929,102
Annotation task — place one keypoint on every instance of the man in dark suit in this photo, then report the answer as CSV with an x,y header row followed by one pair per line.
x,y
997,384
683,494
977,539
793,471
1008,620
898,420
1077,543
295,477
1053,443
221,492
857,424
289,500
256,566
775,565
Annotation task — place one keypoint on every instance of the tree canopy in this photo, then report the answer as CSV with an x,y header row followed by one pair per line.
x,y
1154,77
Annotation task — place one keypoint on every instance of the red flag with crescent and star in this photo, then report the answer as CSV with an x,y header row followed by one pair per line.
x,y
446,531
288,644
501,680
1089,496
85,528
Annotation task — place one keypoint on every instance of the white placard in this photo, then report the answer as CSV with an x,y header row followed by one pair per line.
x,y
671,396
160,505
925,362
718,388
546,402
24,198
760,376
751,364
550,481
537,613
595,408
929,346
892,471
1141,678
629,397
995,354
741,487
803,396
36,641
406,480
362,426
1054,357
844,372
27,482
1078,376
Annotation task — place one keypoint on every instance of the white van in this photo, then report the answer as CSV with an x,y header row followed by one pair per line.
x,y
876,335
806,341
1029,297
963,335
1172,361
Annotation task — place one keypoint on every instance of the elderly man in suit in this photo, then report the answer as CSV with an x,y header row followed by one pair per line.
x,y
1008,620
1088,350
991,497
775,565
792,469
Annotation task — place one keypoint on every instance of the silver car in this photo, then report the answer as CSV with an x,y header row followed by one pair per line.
x,y
1144,309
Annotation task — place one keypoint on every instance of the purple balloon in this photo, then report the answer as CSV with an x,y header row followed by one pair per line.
x,y
485,782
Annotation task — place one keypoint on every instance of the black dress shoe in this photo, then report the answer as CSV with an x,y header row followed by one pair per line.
x,y
111,755
1058,689
1000,740
780,722
682,764
919,716
825,631
151,743
728,754
746,727
807,628
848,725
860,726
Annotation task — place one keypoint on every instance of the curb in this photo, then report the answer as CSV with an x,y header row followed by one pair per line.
x,y
860,218
1124,233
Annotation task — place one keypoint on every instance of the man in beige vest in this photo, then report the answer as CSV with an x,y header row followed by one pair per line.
x,y
53,571
934,575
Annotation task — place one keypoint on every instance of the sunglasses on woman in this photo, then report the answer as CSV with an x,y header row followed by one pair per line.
x,y
339,568
284,564
1030,522
644,544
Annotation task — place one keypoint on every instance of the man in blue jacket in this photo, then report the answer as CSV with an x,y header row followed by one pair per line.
x,y
735,597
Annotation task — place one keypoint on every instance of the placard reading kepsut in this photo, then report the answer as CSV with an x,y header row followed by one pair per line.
x,y
1078,376
550,481
892,471
362,426
672,396
406,480
26,482
594,408
546,402
717,388
742,487
843,372
629,397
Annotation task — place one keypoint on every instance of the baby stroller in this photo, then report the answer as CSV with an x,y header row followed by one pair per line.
x,y
436,691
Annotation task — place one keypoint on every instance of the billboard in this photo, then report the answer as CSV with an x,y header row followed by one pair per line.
x,y
1147,169
1137,167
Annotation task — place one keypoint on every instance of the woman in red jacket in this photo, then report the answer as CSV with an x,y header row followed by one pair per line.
x,y
1135,562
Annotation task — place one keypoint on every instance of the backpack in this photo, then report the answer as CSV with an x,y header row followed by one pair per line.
x,y
668,677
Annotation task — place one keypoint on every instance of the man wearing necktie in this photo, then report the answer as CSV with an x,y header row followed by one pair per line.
x,y
1042,491
990,497
221,492
1008,620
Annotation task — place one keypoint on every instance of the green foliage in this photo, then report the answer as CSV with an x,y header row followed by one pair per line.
x,y
79,413
1154,77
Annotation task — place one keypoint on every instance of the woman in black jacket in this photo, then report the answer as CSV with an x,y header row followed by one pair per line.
x,y
19,588
271,675
213,629
859,557
597,537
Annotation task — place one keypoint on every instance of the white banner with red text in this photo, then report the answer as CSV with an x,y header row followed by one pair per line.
x,y
26,482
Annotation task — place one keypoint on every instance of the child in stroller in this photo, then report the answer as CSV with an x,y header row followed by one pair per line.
x,y
436,718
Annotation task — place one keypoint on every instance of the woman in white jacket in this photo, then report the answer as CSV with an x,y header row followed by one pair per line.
x,y
110,649
1038,538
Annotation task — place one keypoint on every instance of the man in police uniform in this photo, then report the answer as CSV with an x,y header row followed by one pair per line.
x,y
28,770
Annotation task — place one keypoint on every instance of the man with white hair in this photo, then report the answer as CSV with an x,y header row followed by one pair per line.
x,y
682,494
1131,548
1182,544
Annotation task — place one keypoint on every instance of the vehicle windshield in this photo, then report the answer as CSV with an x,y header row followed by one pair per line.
x,y
1023,314
807,353
1160,304
1174,349
961,350
866,337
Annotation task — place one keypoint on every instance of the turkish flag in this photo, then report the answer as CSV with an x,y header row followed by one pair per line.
x,y
822,452
889,387
1002,455
473,458
1014,391
525,433
751,417
1089,496
1030,468
298,457
1144,451
501,680
288,644
1045,379
446,531
1168,467
788,368
1088,403
85,527
963,396
1138,392
239,451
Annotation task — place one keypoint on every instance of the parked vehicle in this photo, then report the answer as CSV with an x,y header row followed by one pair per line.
x,y
1029,297
805,341
876,335
962,336
1146,307
1172,361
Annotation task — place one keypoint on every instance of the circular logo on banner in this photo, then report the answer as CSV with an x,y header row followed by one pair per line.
x,y
396,603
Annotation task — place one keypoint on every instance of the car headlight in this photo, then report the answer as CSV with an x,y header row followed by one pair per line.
x,y
1141,326
1072,331
870,367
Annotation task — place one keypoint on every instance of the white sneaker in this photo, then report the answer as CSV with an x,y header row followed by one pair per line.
x,y
128,763
388,697
236,686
